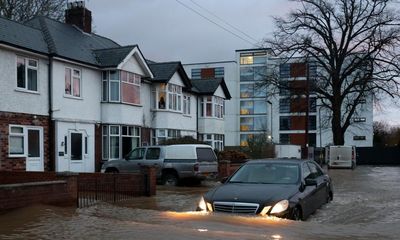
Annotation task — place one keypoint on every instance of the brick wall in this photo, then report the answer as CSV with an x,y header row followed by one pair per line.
x,y
7,118
226,168
98,147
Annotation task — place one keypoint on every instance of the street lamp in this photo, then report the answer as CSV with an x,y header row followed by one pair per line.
x,y
270,103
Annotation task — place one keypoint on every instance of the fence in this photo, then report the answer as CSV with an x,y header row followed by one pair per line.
x,y
378,155
95,187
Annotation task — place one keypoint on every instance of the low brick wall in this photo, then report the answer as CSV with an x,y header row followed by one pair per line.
x,y
20,189
59,192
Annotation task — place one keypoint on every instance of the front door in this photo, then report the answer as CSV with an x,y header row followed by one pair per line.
x,y
34,160
76,150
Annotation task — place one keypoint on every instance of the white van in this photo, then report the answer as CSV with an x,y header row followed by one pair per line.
x,y
340,156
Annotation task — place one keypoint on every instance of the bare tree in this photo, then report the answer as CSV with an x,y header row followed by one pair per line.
x,y
23,10
355,46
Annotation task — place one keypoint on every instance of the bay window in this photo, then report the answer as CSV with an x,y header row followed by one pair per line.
x,y
121,86
211,107
119,140
27,71
169,97
214,140
161,135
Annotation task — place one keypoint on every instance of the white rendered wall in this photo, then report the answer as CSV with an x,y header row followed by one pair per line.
x,y
15,100
85,108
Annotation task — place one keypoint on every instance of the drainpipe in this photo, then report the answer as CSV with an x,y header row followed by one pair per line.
x,y
51,133
197,117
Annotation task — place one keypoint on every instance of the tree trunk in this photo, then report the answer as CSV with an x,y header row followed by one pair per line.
x,y
337,129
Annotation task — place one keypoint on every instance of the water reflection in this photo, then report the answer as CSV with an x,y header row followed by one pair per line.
x,y
365,206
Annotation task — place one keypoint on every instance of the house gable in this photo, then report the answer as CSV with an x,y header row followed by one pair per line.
x,y
220,92
135,62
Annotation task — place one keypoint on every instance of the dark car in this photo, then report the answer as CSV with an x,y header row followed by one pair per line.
x,y
286,188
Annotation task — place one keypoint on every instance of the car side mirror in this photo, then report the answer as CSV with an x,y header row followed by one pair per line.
x,y
224,179
311,182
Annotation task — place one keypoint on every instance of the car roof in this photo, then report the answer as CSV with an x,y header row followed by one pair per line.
x,y
277,160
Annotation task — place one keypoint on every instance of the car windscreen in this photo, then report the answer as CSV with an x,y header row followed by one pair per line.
x,y
268,173
205,155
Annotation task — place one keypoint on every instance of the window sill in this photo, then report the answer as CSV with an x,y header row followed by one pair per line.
x,y
16,156
23,90
129,104
187,115
166,110
72,97
213,118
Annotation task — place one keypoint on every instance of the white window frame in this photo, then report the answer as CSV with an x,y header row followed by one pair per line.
x,y
24,139
136,82
27,67
109,86
174,93
136,134
106,90
218,107
72,76
186,104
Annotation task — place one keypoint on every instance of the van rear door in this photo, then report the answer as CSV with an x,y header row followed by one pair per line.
x,y
207,161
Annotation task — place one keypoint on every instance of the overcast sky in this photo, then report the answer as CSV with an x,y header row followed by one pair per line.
x,y
166,30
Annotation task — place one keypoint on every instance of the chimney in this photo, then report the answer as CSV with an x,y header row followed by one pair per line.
x,y
76,14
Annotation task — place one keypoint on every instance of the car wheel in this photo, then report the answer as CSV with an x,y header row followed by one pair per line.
x,y
296,214
170,179
112,170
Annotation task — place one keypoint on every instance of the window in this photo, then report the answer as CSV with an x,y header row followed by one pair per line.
x,y
205,155
246,74
130,87
136,154
118,140
76,146
27,71
72,82
104,97
114,86
196,73
284,123
253,107
315,171
114,142
153,153
305,170
219,107
246,90
284,138
253,123
105,142
284,105
208,106
219,142
174,97
160,135
186,105
260,73
284,70
16,141
161,96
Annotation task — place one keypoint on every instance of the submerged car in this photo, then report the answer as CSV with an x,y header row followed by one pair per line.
x,y
285,188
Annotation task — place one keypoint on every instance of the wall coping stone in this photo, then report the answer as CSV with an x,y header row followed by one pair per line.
x,y
17,185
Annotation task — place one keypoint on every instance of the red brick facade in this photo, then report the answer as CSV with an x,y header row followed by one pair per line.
x,y
18,164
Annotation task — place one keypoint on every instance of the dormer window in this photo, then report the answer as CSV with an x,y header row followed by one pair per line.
x,y
121,86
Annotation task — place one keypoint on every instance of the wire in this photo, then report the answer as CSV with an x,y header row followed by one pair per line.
x,y
213,22
224,21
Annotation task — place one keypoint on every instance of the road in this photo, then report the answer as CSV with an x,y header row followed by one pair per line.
x,y
366,205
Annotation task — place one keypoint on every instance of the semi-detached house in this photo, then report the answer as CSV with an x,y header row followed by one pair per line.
x,y
70,98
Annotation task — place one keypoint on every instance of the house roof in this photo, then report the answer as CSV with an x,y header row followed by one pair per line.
x,y
111,57
209,86
19,35
164,71
69,41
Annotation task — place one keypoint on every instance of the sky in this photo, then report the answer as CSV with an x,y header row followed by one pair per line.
x,y
168,30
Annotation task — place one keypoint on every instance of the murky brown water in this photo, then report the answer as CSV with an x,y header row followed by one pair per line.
x,y
366,205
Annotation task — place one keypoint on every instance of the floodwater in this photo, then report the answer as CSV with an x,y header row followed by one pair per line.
x,y
366,205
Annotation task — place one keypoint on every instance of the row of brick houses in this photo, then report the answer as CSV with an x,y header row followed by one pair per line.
x,y
70,98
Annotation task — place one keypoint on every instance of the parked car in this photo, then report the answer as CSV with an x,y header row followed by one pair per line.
x,y
286,188
340,156
173,162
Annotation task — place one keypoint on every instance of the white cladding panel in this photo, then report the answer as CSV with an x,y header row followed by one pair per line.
x,y
84,108
133,65
14,100
177,80
211,125
112,113
219,92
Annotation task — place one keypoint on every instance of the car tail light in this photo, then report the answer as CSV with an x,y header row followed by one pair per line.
x,y
196,167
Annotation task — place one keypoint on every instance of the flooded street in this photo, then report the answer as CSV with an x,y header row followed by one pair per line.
x,y
366,205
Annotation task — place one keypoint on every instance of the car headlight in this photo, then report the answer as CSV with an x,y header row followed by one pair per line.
x,y
204,206
280,206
